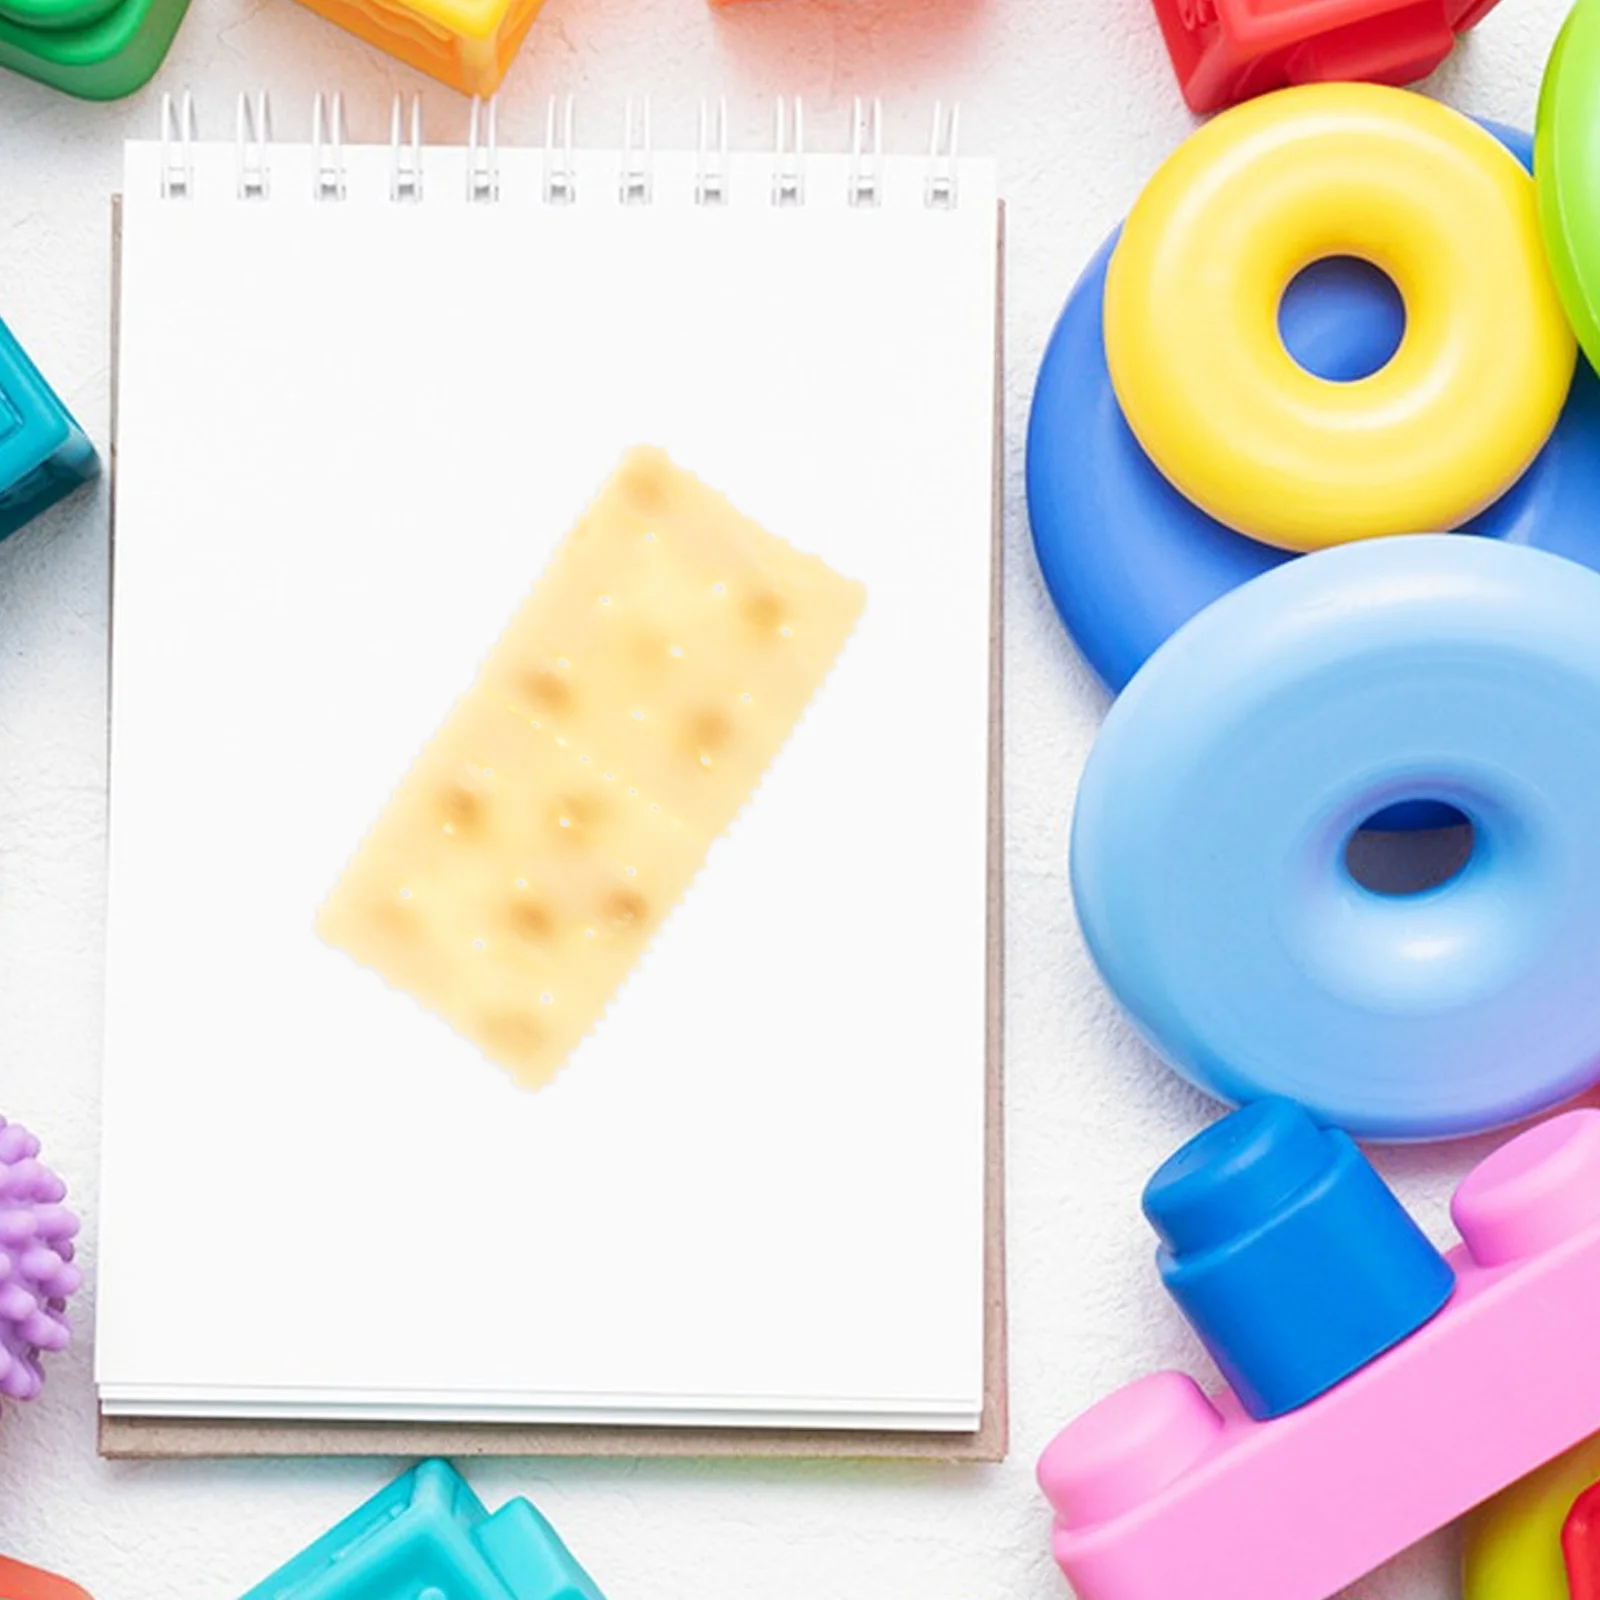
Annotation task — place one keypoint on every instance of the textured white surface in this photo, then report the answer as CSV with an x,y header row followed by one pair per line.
x,y
1076,99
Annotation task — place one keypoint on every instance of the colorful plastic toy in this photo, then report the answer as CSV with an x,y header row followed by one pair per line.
x,y
468,44
37,1275
21,1582
1209,844
1512,1549
1288,1255
55,13
1191,318
1567,169
1128,560
1580,1546
429,1534
1228,50
1159,1491
44,454
102,57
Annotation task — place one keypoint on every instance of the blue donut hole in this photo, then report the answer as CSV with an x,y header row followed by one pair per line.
x,y
1391,855
1342,318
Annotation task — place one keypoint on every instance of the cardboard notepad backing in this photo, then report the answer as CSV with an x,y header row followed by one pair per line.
x,y
123,1435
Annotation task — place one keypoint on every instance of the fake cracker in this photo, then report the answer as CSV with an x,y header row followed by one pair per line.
x,y
615,730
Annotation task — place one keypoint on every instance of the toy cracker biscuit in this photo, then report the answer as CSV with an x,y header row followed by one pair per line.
x,y
615,730
674,639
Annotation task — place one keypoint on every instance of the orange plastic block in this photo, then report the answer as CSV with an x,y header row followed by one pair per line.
x,y
21,1582
467,44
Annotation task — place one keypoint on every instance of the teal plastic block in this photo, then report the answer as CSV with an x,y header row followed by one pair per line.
x,y
429,1537
44,454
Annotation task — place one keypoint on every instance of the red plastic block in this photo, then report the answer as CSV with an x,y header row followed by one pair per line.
x,y
1580,1545
1228,50
20,1582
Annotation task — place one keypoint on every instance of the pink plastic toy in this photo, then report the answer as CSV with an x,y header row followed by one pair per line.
x,y
1159,1491
1228,50
36,1270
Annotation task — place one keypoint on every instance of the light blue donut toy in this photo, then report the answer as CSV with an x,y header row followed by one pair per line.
x,y
1209,841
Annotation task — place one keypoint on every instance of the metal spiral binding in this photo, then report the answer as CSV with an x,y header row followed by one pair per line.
x,y
483,152
634,187
178,136
405,155
711,167
789,156
327,140
866,154
636,173
939,188
560,171
252,135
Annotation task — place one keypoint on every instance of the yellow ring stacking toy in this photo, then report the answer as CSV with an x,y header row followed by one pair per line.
x,y
1191,317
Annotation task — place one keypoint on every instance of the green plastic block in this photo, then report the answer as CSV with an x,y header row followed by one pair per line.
x,y
55,13
100,60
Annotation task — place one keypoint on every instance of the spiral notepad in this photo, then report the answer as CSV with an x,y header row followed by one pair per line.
x,y
364,392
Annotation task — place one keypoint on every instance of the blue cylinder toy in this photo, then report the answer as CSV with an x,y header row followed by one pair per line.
x,y
1288,1254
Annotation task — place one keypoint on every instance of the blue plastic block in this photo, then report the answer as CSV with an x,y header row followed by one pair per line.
x,y
428,1537
44,454
1289,1255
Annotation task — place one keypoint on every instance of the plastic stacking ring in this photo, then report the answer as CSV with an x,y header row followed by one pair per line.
x,y
1128,560
1567,170
1191,317
1209,843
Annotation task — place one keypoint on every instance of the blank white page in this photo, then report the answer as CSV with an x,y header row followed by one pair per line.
x,y
351,432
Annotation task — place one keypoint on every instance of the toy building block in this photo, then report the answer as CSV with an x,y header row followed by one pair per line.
x,y
55,13
21,1582
468,44
426,1534
114,50
44,454
1159,1490
1288,1254
1229,50
1512,1548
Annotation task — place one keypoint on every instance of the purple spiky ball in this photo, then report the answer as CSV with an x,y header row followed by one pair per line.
x,y
36,1270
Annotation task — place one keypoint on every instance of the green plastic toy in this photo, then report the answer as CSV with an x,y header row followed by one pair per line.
x,y
1566,170
91,48
55,13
